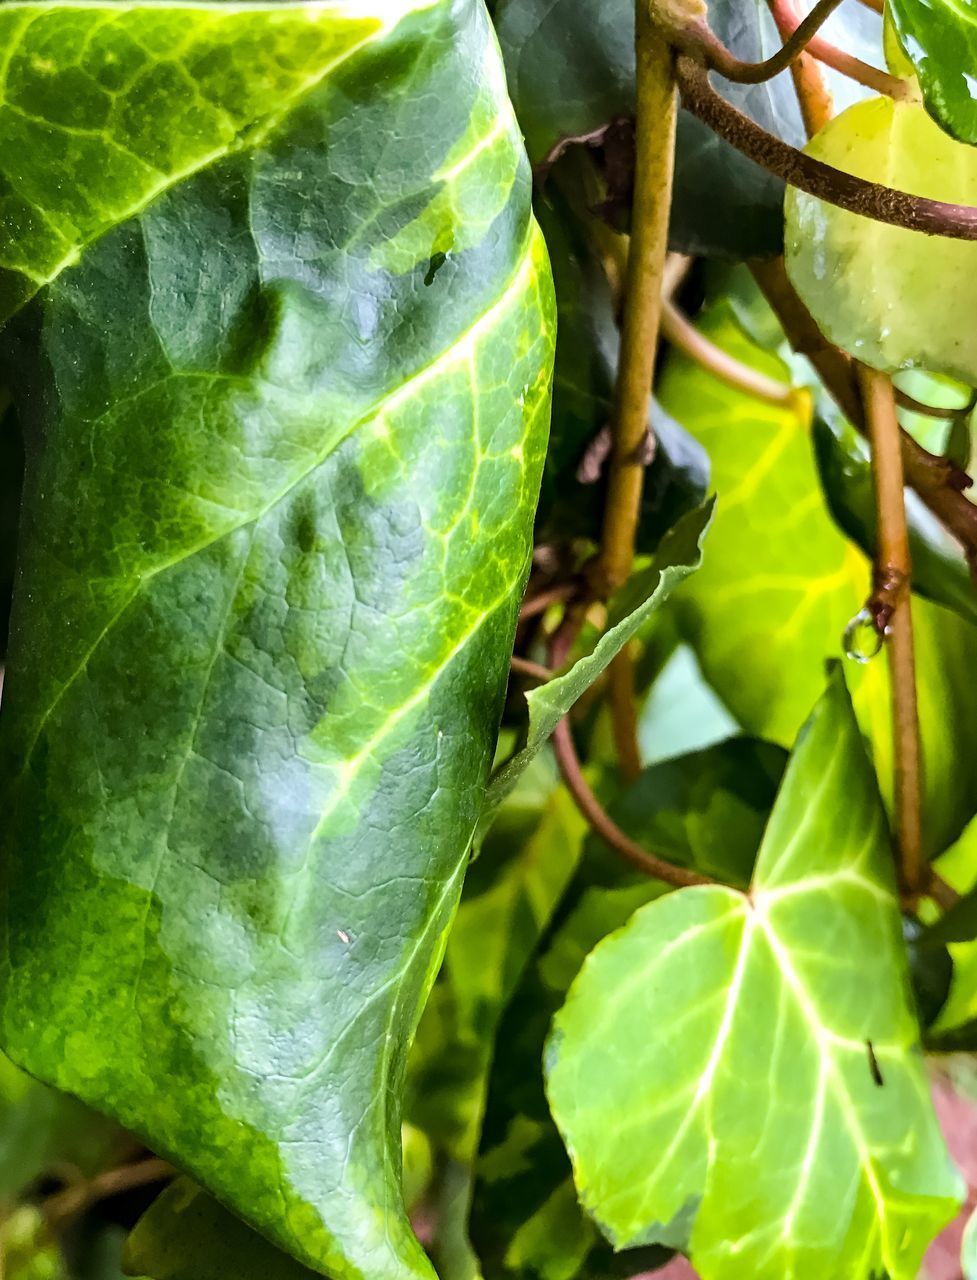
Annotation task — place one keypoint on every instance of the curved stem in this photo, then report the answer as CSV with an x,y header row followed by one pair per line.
x,y
694,344
835,186
696,39
655,142
604,825
788,23
65,1205
894,566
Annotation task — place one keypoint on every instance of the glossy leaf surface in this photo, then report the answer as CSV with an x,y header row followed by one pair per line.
x,y
856,274
284,383
940,39
776,1016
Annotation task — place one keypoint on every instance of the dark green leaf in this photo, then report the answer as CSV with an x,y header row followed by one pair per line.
x,y
11,475
763,1047
187,1235
571,70
940,37
930,971
285,388
705,810
583,382
940,570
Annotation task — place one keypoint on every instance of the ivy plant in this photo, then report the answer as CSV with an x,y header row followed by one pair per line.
x,y
487,749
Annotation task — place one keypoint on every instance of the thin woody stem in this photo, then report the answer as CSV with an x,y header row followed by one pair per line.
x,y
695,37
602,823
655,142
835,186
894,576
788,23
714,360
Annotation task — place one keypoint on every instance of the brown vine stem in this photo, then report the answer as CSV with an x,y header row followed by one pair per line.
x,y
873,397
604,825
693,36
657,111
894,572
621,698
655,154
835,186
683,335
65,1205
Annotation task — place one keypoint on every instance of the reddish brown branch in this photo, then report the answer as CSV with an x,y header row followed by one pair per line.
x,y
604,825
824,181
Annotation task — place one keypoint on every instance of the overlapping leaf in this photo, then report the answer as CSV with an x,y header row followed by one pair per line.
x,y
763,1046
284,381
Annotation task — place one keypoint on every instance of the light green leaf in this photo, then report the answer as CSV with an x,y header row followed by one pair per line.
x,y
678,557
681,712
940,38
856,274
286,378
715,1070
780,584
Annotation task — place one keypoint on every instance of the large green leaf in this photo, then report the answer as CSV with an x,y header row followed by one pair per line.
x,y
940,37
780,583
285,384
738,1074
856,274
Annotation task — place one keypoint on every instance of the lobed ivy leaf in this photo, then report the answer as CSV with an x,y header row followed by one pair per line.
x,y
940,39
855,274
282,358
780,584
678,556
525,1216
780,1084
